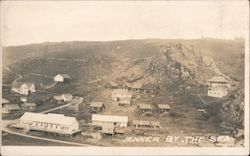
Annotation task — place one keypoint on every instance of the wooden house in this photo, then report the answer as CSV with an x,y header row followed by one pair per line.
x,y
163,108
10,108
145,109
28,106
112,85
24,88
97,107
150,88
58,99
77,104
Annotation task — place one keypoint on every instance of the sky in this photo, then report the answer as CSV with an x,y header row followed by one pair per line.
x,y
26,22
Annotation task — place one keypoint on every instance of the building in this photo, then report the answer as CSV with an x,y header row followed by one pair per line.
x,y
218,81
24,98
121,94
163,108
150,88
146,124
24,88
111,85
145,109
67,97
28,106
136,87
54,123
97,107
117,121
77,104
108,128
62,78
218,91
10,108
4,101
58,99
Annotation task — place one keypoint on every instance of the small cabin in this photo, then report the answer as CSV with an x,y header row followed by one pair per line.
x,y
10,108
28,106
62,78
24,88
163,108
151,88
97,107
77,104
58,99
145,109
111,85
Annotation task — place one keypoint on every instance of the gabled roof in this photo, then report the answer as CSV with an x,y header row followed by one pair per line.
x,y
217,79
96,104
109,118
67,96
5,100
144,106
28,105
19,84
50,118
12,107
163,106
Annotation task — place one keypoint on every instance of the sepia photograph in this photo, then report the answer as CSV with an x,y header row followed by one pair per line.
x,y
125,77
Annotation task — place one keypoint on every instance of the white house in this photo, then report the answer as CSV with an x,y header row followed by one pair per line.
x,y
62,78
218,91
218,81
117,121
55,123
23,87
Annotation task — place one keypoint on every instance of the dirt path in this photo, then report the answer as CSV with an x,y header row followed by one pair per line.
x,y
19,75
53,109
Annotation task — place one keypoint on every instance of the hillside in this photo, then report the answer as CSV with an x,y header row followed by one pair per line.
x,y
178,66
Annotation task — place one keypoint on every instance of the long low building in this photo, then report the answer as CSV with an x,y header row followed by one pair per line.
x,y
56,123
117,121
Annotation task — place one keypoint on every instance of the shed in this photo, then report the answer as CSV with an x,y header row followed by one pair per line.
x,y
145,109
111,85
10,108
97,107
162,108
28,106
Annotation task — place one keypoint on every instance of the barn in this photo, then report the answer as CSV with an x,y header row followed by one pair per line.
x,y
54,123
